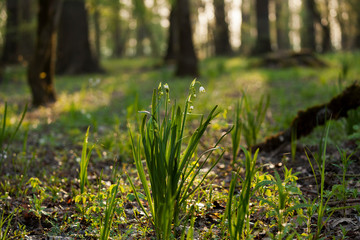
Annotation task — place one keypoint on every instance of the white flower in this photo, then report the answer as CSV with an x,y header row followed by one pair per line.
x,y
202,89
191,108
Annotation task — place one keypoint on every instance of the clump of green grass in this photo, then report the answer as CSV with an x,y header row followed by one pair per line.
x,y
172,169
236,132
84,162
110,208
254,116
4,132
237,209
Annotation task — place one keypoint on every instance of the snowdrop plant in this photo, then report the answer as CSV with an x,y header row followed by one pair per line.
x,y
170,160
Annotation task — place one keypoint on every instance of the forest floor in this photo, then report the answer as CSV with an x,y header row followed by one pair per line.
x,y
39,172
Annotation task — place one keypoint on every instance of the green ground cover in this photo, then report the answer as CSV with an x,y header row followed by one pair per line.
x,y
40,190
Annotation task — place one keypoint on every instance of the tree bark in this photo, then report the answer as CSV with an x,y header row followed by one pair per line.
x,y
308,39
246,26
263,43
27,29
357,34
11,50
96,17
73,52
118,48
187,63
282,24
313,17
221,35
172,43
41,69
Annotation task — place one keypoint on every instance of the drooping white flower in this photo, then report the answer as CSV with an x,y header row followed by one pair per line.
x,y
201,89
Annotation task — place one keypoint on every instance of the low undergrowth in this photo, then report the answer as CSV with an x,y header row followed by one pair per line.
x,y
172,177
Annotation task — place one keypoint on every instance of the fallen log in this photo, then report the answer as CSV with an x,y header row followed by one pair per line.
x,y
284,59
306,120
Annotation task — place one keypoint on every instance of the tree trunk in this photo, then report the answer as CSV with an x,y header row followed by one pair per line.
x,y
96,18
11,51
42,67
187,63
357,34
173,44
246,26
118,48
27,29
342,17
263,44
73,52
221,34
282,24
308,39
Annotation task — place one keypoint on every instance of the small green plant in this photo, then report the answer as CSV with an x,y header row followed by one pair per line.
x,y
84,162
284,200
293,143
172,170
8,135
236,133
39,196
5,223
110,208
237,208
352,121
320,159
254,116
341,191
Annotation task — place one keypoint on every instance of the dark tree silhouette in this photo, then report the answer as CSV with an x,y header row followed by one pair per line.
x,y
74,55
221,34
313,17
19,31
263,44
246,25
27,29
172,42
282,24
42,67
187,63
308,37
11,50
118,48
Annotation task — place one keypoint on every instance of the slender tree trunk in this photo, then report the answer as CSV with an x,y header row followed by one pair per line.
x,y
263,44
116,33
314,15
73,53
246,26
172,44
357,33
221,35
11,50
96,17
344,24
42,67
326,45
140,36
27,29
308,39
187,63
282,24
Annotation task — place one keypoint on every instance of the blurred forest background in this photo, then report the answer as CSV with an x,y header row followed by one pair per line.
x,y
180,32
95,63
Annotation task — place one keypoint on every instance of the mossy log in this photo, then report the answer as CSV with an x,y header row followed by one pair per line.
x,y
283,59
306,120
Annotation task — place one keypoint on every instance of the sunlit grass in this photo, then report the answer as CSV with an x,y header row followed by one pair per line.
x,y
106,102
